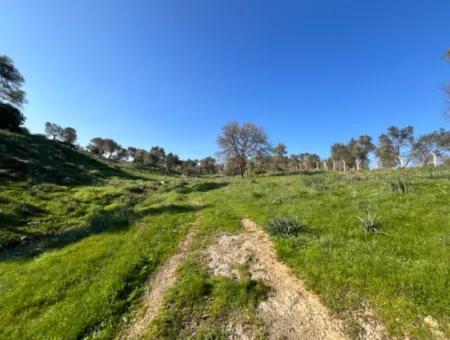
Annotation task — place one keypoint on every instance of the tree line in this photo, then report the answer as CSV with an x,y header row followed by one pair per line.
x,y
244,148
155,158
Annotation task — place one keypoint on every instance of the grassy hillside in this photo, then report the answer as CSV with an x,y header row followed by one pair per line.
x,y
35,158
76,254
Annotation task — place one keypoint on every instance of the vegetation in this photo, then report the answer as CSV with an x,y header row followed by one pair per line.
x,y
286,226
56,237
82,231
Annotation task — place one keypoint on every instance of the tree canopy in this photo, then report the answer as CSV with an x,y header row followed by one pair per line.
x,y
11,82
239,143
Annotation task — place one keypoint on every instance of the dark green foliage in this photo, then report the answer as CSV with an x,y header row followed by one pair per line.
x,y
286,226
11,82
10,117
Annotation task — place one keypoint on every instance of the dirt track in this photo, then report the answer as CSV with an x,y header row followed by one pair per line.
x,y
289,312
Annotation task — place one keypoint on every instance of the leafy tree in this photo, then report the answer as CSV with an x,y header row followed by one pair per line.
x,y
139,156
69,135
121,154
111,147
190,167
156,156
431,147
239,143
386,152
172,162
342,152
11,82
97,146
360,149
395,147
208,166
11,117
53,130
280,160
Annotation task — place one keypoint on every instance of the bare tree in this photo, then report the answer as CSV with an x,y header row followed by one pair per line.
x,y
241,143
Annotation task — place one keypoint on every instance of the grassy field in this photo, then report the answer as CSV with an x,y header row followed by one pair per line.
x,y
81,237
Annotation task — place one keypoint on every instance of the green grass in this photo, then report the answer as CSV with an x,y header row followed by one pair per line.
x,y
80,238
403,273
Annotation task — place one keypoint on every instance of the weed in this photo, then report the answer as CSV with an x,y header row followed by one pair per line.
x,y
400,185
370,222
316,182
286,226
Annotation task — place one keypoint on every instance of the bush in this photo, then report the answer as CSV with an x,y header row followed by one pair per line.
x,y
11,118
286,226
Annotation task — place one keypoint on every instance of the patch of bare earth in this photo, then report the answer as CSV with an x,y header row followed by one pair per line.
x,y
290,311
158,286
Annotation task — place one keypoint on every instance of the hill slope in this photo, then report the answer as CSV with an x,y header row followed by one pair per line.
x,y
36,158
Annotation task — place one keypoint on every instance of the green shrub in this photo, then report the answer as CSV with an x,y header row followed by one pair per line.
x,y
286,226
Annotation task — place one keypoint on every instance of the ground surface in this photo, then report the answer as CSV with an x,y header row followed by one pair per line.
x,y
90,249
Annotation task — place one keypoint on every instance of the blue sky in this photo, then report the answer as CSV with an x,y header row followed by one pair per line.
x,y
172,73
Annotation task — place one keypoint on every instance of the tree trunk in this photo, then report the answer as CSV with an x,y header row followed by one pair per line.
x,y
434,159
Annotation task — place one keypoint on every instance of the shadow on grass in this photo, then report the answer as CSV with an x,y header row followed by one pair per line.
x,y
26,156
169,208
113,221
202,187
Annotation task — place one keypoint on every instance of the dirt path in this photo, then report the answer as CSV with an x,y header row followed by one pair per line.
x,y
291,311
152,300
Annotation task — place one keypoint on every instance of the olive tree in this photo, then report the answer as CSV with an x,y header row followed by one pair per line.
x,y
11,82
12,97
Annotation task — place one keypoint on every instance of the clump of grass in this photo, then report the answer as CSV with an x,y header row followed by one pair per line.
x,y
286,226
316,182
121,216
400,185
370,222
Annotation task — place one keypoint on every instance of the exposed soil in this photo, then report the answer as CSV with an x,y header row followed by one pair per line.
x,y
160,283
290,311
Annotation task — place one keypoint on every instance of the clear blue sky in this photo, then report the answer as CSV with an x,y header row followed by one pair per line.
x,y
172,73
